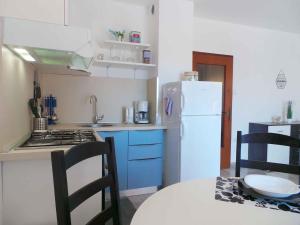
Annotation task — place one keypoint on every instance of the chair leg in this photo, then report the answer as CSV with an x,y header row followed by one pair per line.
x,y
237,170
103,190
103,199
238,154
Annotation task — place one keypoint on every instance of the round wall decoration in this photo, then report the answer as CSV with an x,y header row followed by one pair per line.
x,y
281,80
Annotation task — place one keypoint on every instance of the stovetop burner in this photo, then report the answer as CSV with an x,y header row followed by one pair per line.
x,y
59,137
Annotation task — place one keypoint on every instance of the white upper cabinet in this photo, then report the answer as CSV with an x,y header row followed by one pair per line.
x,y
49,11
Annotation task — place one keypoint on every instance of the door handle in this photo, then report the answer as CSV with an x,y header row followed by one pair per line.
x,y
181,130
182,101
228,114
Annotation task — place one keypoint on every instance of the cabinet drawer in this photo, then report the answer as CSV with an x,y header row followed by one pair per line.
x,y
145,151
144,173
285,130
145,137
278,153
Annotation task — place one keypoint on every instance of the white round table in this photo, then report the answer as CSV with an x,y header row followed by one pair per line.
x,y
193,203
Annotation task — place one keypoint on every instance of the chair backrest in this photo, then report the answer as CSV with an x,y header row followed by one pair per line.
x,y
65,203
265,138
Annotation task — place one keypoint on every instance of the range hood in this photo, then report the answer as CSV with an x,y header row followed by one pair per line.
x,y
51,48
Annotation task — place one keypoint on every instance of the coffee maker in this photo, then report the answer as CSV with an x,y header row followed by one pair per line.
x,y
141,112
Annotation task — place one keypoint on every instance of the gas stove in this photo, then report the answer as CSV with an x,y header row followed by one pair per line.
x,y
59,138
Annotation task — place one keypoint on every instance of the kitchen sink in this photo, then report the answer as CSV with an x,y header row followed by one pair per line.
x,y
95,125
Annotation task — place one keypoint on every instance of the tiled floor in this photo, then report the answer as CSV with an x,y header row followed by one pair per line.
x,y
137,200
129,205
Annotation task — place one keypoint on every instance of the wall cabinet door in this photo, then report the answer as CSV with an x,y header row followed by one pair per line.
x,y
277,153
121,148
50,11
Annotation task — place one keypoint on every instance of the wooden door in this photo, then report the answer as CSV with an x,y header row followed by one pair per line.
x,y
214,67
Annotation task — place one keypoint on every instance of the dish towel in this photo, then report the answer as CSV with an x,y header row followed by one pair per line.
x,y
168,106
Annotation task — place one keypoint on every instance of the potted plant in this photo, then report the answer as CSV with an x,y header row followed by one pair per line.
x,y
118,35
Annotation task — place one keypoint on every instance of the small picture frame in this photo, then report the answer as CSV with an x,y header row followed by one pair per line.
x,y
135,37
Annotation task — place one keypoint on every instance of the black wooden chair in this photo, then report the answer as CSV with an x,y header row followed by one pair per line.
x,y
265,138
65,203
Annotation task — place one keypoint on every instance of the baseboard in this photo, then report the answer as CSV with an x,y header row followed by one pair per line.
x,y
139,191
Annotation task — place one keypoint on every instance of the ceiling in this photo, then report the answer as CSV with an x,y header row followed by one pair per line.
x,y
273,14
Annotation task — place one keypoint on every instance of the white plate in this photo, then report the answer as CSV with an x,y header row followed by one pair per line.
x,y
271,186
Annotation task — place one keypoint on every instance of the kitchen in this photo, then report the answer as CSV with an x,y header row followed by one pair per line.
x,y
72,93
109,83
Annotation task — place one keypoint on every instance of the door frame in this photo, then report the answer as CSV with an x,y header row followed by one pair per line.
x,y
227,62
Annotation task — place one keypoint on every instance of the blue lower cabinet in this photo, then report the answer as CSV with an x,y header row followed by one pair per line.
x,y
145,151
121,148
145,137
139,156
144,173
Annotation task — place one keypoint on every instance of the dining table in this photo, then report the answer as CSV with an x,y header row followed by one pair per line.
x,y
195,203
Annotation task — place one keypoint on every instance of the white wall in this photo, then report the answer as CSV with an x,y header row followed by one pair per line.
x,y
100,16
1,193
73,94
16,85
16,88
259,55
175,40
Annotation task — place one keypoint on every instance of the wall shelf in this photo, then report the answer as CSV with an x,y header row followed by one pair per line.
x,y
111,63
112,43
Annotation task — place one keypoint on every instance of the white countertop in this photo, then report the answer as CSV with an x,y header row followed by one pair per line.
x,y
45,152
115,127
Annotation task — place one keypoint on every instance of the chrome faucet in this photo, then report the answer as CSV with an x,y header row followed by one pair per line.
x,y
96,118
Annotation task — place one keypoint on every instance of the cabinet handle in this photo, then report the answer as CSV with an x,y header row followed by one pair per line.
x,y
145,159
152,144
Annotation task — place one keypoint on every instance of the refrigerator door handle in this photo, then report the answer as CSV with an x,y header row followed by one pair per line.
x,y
181,129
182,101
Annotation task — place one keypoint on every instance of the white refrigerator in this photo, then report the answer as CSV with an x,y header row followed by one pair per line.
x,y
192,113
